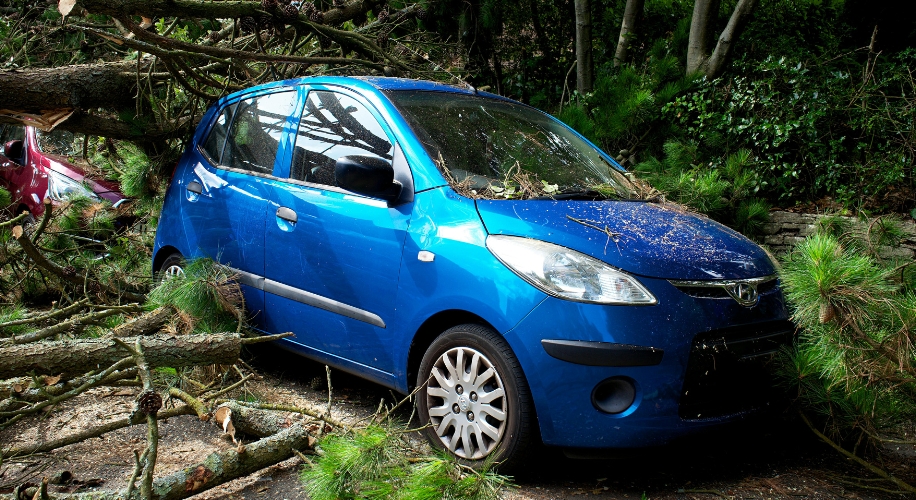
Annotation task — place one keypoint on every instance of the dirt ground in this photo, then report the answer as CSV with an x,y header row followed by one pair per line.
x,y
771,458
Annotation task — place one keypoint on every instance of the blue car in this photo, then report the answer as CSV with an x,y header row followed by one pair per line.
x,y
428,236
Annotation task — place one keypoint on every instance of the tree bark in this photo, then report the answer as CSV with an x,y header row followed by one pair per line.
x,y
716,62
698,43
628,29
145,324
75,357
584,66
85,86
208,9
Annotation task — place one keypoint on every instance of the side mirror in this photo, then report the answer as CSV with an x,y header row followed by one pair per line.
x,y
13,151
367,175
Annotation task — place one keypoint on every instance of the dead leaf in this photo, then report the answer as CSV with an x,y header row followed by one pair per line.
x,y
50,380
312,442
65,6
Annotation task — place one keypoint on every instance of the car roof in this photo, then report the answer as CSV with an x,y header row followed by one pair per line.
x,y
373,82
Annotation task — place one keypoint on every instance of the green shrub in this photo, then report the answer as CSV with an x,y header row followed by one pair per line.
x,y
854,364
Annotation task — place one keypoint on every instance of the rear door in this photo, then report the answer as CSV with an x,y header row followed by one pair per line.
x,y
224,197
333,256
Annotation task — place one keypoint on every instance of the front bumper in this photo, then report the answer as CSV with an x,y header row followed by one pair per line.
x,y
695,362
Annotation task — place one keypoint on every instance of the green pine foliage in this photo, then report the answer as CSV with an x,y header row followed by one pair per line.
x,y
377,463
723,188
208,296
854,363
5,198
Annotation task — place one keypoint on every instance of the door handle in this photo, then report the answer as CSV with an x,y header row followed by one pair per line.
x,y
195,187
288,215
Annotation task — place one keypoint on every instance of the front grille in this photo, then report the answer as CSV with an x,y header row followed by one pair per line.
x,y
728,370
718,289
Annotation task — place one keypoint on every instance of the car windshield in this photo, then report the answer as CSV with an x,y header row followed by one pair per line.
x,y
489,148
60,142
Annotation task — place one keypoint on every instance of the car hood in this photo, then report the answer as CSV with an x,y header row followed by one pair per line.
x,y
647,239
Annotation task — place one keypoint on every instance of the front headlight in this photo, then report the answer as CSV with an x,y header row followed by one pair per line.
x,y
567,274
62,188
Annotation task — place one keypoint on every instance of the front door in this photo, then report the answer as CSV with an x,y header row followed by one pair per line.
x,y
333,256
224,200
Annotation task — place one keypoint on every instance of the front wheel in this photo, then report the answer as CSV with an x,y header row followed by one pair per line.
x,y
171,267
474,399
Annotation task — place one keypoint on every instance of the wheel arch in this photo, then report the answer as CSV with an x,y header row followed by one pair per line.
x,y
163,254
427,333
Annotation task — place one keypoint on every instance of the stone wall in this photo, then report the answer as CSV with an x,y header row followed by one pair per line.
x,y
785,229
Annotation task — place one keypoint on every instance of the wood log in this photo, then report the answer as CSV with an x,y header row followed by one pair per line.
x,y
145,324
75,357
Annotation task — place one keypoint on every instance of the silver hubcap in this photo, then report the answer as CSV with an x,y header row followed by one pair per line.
x,y
467,403
173,271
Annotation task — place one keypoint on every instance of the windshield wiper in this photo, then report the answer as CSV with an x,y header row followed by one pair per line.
x,y
575,194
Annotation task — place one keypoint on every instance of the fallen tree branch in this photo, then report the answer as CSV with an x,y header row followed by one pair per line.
x,y
145,324
904,486
93,432
44,220
316,414
71,277
191,401
37,394
219,467
63,326
73,357
57,313
88,384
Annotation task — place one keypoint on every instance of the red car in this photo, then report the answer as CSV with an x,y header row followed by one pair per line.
x,y
34,165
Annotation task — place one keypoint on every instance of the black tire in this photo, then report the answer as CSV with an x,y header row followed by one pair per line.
x,y
172,266
469,432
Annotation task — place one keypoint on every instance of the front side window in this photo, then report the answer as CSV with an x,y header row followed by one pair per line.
x,y
11,133
254,135
334,125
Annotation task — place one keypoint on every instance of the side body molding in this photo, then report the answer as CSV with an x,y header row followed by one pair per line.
x,y
309,298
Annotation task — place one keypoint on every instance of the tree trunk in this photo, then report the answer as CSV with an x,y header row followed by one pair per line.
x,y
716,62
205,9
584,78
75,357
628,29
704,12
86,86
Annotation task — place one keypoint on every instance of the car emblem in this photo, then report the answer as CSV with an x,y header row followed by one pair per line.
x,y
463,403
744,293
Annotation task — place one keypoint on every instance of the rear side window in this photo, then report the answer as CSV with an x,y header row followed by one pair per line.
x,y
213,146
254,134
334,125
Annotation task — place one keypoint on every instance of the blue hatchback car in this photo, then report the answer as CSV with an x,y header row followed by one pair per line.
x,y
424,235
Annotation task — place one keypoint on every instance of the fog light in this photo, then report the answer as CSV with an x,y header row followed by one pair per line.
x,y
614,395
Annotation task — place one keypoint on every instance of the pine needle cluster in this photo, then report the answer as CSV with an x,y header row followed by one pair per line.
x,y
207,297
377,463
855,360
723,189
